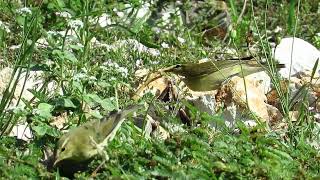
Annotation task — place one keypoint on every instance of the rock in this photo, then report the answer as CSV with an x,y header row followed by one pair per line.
x,y
294,115
264,80
311,88
275,115
304,55
153,83
204,101
127,46
5,75
316,141
230,114
22,131
151,128
252,94
238,99
34,81
60,121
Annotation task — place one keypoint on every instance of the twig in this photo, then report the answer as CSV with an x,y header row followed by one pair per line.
x,y
242,12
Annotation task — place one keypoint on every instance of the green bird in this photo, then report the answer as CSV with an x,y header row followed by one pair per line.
x,y
84,142
209,75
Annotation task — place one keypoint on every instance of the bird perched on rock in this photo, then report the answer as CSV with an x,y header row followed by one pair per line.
x,y
84,142
209,75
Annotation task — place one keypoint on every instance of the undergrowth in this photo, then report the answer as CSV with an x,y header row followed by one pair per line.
x,y
86,75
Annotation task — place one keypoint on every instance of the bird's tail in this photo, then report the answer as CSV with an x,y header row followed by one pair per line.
x,y
110,124
128,110
279,66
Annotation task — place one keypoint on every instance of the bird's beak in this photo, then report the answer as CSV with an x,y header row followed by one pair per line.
x,y
56,162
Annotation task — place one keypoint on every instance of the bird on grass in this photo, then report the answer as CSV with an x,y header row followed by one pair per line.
x,y
210,75
84,142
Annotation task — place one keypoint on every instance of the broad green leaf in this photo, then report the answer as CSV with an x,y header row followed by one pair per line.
x,y
108,104
65,102
70,56
44,110
44,129
96,114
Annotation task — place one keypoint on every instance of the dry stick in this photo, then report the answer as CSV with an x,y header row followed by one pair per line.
x,y
242,12
94,173
149,80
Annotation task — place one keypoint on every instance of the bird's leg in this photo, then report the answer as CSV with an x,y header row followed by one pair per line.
x,y
100,149
102,153
94,173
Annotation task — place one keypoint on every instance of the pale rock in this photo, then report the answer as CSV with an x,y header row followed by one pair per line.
x,y
250,123
22,131
264,80
61,120
230,115
42,43
313,90
305,76
253,91
159,132
15,47
154,84
204,101
275,115
69,34
316,141
203,60
317,116
34,81
140,73
237,99
151,127
5,75
144,10
304,56
294,115
104,20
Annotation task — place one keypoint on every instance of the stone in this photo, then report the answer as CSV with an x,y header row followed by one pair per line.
x,y
304,56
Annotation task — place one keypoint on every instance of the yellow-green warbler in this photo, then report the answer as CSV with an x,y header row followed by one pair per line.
x,y
84,142
209,75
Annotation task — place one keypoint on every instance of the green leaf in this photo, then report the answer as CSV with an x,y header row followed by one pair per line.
x,y
70,56
60,4
44,110
108,104
96,114
92,99
20,20
138,23
104,84
40,130
44,129
76,47
65,55
65,102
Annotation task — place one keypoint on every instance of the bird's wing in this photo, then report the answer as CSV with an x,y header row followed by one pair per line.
x,y
205,68
110,125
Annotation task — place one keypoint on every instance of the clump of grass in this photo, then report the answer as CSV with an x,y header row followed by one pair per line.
x,y
79,70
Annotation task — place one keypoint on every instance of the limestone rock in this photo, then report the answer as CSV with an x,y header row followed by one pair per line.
x,y
304,56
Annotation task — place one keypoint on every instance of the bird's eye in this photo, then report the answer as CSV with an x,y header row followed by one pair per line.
x,y
62,149
178,66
